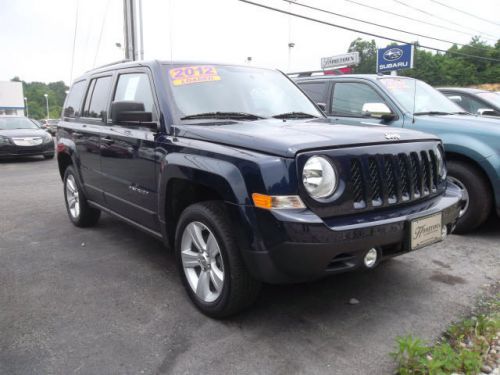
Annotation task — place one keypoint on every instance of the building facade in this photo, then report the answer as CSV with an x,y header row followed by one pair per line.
x,y
11,99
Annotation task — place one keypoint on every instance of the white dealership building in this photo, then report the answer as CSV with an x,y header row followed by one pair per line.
x,y
11,99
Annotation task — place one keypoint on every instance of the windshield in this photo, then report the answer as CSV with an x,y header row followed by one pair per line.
x,y
418,97
207,89
491,97
8,123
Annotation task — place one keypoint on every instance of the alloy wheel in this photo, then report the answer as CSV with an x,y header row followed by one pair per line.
x,y
202,261
72,197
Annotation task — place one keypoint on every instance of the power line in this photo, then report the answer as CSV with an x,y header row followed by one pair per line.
x,y
367,33
100,32
74,44
439,18
464,12
411,18
376,24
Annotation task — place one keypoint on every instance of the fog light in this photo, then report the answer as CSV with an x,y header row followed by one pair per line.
x,y
370,258
444,232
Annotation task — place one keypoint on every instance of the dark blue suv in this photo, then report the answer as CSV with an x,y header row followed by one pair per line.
x,y
243,176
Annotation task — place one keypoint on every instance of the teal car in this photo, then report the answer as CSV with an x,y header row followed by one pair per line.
x,y
472,143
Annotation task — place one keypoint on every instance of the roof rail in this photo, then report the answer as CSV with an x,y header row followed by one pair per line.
x,y
327,72
110,64
307,74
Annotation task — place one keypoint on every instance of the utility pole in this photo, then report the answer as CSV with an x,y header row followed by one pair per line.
x,y
132,29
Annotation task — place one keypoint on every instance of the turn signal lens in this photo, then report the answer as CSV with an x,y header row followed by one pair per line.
x,y
269,202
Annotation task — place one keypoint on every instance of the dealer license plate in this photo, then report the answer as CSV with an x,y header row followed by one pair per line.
x,y
426,231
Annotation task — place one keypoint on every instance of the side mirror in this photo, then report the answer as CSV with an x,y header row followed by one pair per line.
x,y
322,106
128,112
378,110
455,98
486,112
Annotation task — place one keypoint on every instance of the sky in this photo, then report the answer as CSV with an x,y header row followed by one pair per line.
x,y
37,37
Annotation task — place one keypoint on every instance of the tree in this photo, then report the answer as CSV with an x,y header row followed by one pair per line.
x,y
439,69
35,94
367,55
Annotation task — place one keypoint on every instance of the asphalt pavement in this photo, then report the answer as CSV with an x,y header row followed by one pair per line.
x,y
108,300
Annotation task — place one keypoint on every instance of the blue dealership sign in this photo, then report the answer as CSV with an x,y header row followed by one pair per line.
x,y
395,58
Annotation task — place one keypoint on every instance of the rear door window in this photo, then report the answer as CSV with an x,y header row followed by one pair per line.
x,y
315,90
96,103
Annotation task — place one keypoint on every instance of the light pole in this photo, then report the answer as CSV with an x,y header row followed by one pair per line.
x,y
47,102
26,106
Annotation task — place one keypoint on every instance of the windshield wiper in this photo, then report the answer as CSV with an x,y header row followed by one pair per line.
x,y
462,113
432,113
223,116
294,115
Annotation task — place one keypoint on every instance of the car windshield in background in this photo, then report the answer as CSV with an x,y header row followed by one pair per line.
x,y
491,97
418,97
53,122
242,93
9,123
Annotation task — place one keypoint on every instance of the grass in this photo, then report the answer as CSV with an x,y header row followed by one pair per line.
x,y
463,348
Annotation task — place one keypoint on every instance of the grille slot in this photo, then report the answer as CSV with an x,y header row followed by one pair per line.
x,y
375,183
388,179
357,184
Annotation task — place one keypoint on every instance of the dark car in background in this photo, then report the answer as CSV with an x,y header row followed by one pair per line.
x,y
50,125
237,171
19,136
475,101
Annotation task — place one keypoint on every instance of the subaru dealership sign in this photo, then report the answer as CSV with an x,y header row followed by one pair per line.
x,y
346,59
395,58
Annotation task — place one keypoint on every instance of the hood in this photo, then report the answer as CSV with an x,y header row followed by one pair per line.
x,y
23,133
287,138
464,124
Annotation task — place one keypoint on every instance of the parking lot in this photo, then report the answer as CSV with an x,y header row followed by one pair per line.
x,y
109,300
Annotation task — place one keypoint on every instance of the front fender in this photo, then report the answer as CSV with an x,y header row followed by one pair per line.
x,y
473,148
219,175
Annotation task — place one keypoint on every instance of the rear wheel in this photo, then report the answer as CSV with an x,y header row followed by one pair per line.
x,y
79,211
211,267
476,193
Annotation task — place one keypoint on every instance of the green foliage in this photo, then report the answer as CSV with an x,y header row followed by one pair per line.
x,y
440,69
367,55
460,350
34,92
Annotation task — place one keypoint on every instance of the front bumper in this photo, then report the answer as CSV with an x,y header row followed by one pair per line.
x,y
300,246
11,151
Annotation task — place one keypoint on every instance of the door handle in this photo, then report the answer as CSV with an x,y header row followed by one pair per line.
x,y
107,140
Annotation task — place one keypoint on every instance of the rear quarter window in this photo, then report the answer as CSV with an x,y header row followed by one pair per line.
x,y
73,103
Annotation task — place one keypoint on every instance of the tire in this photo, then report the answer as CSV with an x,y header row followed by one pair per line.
x,y
49,156
478,193
79,211
236,289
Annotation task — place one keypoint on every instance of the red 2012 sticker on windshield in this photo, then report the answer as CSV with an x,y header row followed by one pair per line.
x,y
193,74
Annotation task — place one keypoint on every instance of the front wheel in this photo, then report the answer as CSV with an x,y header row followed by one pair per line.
x,y
211,267
79,211
476,194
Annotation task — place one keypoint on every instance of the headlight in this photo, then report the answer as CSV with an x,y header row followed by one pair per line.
x,y
319,177
441,165
47,137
